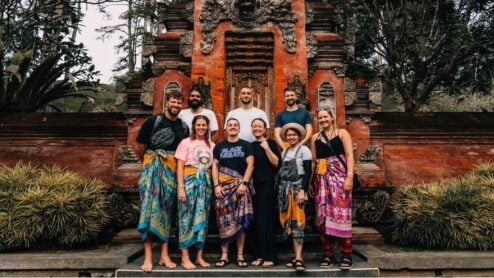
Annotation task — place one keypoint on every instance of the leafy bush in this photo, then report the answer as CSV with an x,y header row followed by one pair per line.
x,y
454,214
49,206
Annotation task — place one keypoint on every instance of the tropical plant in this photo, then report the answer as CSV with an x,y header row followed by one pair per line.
x,y
453,214
39,59
422,48
49,207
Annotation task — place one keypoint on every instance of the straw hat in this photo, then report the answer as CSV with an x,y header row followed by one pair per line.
x,y
300,128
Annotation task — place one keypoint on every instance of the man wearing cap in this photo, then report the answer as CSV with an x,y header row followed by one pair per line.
x,y
159,136
292,114
246,113
195,103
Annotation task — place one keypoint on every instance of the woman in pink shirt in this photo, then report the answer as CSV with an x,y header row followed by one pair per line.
x,y
194,157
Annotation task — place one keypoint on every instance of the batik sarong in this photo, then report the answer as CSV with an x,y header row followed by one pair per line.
x,y
193,214
158,193
333,202
292,215
234,213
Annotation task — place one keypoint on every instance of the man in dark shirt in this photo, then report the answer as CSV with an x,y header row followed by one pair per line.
x,y
159,136
292,114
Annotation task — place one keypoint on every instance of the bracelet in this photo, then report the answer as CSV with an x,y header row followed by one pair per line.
x,y
350,174
216,185
181,186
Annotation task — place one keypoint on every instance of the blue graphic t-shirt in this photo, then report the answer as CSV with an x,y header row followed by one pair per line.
x,y
233,155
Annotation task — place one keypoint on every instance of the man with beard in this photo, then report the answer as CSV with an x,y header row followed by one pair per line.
x,y
159,136
246,113
292,114
195,104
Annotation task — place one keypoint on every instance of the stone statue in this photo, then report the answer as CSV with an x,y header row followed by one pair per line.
x,y
299,88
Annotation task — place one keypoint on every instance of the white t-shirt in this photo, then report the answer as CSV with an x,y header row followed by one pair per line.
x,y
187,116
245,117
303,154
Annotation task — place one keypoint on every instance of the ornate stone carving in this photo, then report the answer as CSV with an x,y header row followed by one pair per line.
x,y
127,155
205,90
366,118
189,7
247,14
370,209
120,99
350,85
325,95
350,98
339,70
122,212
309,14
370,154
147,95
185,47
311,45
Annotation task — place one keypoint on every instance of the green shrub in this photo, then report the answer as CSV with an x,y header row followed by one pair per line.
x,y
49,206
452,214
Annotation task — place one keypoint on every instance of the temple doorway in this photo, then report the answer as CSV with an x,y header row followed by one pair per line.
x,y
249,62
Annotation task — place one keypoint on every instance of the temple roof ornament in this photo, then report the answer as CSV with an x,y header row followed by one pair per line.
x,y
247,14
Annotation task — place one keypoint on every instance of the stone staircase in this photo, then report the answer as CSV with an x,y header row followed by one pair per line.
x,y
312,255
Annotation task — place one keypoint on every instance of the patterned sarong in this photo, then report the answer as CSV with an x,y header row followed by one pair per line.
x,y
333,203
193,214
292,215
233,212
158,193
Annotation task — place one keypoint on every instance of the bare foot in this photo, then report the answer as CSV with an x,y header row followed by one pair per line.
x,y
188,265
147,267
167,262
202,263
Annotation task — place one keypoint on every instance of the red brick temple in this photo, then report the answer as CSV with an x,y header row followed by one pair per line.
x,y
221,45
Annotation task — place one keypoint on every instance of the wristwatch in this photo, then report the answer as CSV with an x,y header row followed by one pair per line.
x,y
244,182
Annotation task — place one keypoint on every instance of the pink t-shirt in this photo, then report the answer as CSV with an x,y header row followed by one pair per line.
x,y
195,152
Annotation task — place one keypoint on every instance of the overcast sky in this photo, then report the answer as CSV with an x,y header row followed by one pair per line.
x,y
103,53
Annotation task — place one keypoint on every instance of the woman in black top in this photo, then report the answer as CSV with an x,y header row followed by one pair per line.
x,y
266,162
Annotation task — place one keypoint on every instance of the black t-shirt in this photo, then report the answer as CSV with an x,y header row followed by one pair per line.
x,y
264,171
233,155
179,129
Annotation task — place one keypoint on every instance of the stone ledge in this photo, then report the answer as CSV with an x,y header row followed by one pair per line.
x,y
426,260
102,257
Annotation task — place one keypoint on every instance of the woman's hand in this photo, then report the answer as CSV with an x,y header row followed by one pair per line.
x,y
301,196
218,192
181,193
242,189
348,185
311,190
264,145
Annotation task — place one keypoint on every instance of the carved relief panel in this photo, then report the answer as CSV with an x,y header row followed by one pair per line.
x,y
325,95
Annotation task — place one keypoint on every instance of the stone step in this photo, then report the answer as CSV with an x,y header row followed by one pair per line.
x,y
360,269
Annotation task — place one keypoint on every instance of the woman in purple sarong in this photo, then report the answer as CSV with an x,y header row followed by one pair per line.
x,y
332,148
232,171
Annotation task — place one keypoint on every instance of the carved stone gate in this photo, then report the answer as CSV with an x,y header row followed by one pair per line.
x,y
249,62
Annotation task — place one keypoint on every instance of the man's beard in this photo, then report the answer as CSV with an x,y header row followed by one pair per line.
x,y
172,113
246,101
290,102
194,104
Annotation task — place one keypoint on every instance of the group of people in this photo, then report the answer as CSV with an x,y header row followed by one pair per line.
x,y
242,176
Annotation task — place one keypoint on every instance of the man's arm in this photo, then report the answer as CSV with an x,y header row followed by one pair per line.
x,y
277,138
308,128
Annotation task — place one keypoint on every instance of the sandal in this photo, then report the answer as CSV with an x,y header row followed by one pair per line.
x,y
299,266
222,262
257,262
241,262
346,262
291,263
327,261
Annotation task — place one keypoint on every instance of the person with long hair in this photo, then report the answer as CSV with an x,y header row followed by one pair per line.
x,y
332,148
194,158
232,171
266,161
295,174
